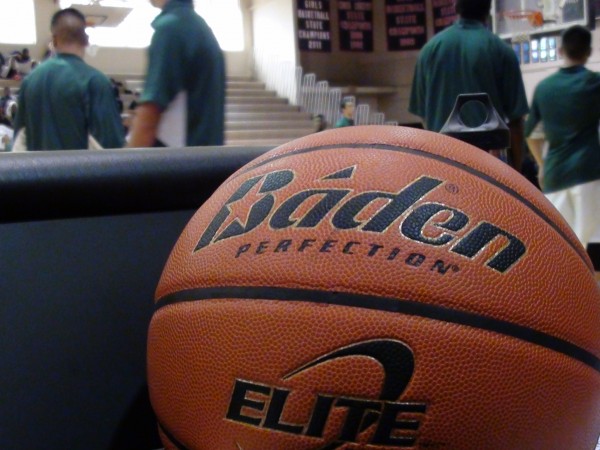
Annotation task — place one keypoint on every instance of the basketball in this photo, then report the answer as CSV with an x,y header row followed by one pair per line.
x,y
376,288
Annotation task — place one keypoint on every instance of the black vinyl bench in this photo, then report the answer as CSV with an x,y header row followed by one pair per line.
x,y
84,236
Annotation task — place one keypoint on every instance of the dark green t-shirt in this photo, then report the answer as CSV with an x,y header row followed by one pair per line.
x,y
466,58
344,122
568,105
186,78
64,101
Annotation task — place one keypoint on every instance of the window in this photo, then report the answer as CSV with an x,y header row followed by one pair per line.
x,y
225,19
18,22
223,16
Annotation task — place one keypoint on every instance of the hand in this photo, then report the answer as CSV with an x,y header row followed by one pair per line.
x,y
540,177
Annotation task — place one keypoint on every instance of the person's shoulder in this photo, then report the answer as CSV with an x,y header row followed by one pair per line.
x,y
593,75
182,21
170,20
591,80
498,42
552,77
200,21
443,35
46,65
449,37
24,84
502,49
165,21
170,26
97,77
37,74
548,84
433,43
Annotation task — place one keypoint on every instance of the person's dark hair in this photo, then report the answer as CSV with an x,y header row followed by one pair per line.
x,y
576,42
23,56
345,101
319,119
474,9
69,25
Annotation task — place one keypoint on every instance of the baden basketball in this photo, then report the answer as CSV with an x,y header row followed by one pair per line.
x,y
376,288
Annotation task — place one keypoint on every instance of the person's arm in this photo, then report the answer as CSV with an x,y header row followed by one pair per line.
x,y
164,80
536,141
535,135
516,143
105,125
145,125
536,147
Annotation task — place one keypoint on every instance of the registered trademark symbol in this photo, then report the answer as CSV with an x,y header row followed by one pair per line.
x,y
452,188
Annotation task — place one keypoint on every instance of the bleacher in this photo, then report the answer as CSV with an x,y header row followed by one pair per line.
x,y
254,115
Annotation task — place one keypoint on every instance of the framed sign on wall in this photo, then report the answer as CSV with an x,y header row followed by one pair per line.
x,y
356,25
406,24
444,14
314,25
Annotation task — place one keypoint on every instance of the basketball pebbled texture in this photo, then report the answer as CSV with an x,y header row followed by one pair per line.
x,y
376,287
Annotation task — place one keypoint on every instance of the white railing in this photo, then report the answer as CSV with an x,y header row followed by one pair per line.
x,y
279,76
361,115
304,90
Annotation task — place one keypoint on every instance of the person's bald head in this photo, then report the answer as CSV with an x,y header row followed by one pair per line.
x,y
68,29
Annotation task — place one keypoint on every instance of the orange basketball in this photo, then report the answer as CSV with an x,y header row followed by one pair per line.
x,y
376,288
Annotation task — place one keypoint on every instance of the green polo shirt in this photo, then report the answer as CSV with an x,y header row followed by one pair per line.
x,y
64,101
344,122
186,77
466,58
568,104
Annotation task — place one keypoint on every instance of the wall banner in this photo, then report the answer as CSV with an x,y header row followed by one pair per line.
x,y
356,25
444,14
314,25
406,24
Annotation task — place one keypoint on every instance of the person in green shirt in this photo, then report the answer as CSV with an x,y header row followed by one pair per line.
x,y
183,102
467,58
567,105
347,109
65,104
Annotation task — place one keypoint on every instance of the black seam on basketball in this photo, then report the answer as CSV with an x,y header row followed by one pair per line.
x,y
171,438
440,158
402,306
